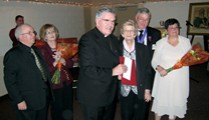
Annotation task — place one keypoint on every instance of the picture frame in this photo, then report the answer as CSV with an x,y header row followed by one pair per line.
x,y
198,20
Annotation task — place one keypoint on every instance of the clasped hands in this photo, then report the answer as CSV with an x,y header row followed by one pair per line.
x,y
58,58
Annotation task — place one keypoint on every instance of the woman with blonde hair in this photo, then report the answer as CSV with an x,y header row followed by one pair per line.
x,y
63,89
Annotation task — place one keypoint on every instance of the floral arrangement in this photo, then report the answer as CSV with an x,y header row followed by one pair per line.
x,y
194,56
39,43
68,50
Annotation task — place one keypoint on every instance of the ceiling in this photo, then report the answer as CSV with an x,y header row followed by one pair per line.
x,y
92,2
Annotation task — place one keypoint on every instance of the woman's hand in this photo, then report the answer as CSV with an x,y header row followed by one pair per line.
x,y
161,70
57,55
63,61
58,58
147,95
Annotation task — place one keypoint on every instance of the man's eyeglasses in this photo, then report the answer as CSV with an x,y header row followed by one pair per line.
x,y
30,33
107,20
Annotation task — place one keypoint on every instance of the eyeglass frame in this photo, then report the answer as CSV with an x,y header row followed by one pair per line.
x,y
30,33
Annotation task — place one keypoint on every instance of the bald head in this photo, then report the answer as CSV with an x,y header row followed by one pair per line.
x,y
25,34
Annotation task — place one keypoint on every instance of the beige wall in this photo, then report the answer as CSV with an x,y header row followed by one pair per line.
x,y
88,18
123,14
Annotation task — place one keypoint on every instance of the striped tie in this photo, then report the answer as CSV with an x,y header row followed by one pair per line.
x,y
39,65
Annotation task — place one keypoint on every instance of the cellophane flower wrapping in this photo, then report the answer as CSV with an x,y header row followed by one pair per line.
x,y
194,56
68,50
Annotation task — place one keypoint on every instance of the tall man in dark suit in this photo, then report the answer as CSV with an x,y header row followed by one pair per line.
x,y
149,35
146,35
99,67
26,79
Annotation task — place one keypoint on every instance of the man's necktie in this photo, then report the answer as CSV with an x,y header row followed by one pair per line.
x,y
140,40
140,34
39,65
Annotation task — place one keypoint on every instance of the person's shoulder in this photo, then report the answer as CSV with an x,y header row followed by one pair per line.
x,y
184,39
113,37
12,31
153,29
161,41
15,51
90,33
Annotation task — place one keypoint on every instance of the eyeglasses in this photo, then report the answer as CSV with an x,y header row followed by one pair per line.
x,y
143,20
30,33
107,20
174,28
51,32
129,30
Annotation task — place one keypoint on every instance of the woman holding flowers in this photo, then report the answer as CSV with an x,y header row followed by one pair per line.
x,y
170,90
59,69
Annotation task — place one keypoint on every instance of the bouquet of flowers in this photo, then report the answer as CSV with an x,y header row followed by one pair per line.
x,y
68,50
194,56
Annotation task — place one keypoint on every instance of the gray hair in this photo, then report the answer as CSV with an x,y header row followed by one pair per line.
x,y
128,23
102,10
19,29
143,10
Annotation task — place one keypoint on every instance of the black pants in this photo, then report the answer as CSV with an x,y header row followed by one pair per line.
x,y
62,107
31,114
132,108
99,113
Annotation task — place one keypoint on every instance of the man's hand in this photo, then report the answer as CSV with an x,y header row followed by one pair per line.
x,y
119,69
22,105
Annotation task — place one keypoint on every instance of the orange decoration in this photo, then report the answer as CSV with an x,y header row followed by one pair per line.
x,y
69,49
39,43
194,56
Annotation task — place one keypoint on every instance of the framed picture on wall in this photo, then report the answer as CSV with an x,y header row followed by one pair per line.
x,y
198,21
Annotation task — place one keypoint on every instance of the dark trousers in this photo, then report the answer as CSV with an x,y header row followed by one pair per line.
x,y
31,114
62,107
132,108
99,113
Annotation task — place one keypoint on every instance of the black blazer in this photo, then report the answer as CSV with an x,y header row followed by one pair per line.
x,y
23,79
98,55
153,35
143,68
